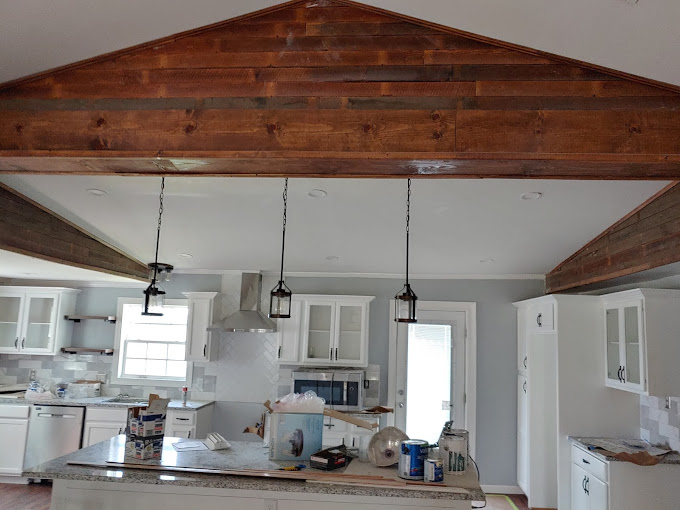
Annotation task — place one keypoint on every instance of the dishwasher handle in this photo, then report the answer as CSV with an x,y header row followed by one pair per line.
x,y
52,415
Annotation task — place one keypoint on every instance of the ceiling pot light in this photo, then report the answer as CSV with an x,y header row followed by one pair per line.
x,y
332,257
317,193
405,303
532,195
280,296
186,255
154,295
97,192
487,261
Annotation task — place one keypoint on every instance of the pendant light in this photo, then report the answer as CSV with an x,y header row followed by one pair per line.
x,y
280,296
405,303
154,295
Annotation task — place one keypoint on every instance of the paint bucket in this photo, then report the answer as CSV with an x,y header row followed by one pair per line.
x,y
434,470
412,455
453,449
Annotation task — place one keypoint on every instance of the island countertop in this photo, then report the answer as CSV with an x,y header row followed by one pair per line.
x,y
242,455
191,405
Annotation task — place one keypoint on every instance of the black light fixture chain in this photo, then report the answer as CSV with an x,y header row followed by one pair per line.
x,y
158,233
285,211
408,221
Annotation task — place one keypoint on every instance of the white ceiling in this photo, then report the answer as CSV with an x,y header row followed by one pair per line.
x,y
637,36
234,223
14,265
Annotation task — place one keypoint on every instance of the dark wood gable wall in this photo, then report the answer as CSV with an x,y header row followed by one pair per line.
x,y
333,88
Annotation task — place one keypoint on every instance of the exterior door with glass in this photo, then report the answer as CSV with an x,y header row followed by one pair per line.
x,y
430,374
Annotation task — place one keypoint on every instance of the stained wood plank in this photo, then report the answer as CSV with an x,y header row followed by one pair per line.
x,y
30,229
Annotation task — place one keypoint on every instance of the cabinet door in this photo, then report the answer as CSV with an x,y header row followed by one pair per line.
x,y
289,334
597,492
180,431
11,310
13,433
522,335
350,334
522,435
579,496
612,337
198,336
632,343
319,331
96,432
40,322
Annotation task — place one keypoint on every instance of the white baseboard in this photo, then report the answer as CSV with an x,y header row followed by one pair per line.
x,y
13,479
502,489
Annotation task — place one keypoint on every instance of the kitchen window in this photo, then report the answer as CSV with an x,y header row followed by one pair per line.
x,y
151,350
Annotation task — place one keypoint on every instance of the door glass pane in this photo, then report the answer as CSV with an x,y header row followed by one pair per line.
x,y
428,380
613,354
39,322
319,343
349,341
630,318
9,320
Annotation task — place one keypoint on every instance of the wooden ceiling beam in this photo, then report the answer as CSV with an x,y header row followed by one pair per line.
x,y
28,228
646,238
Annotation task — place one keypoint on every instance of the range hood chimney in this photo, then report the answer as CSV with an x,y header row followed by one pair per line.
x,y
249,318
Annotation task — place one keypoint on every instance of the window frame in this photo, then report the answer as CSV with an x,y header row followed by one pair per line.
x,y
118,352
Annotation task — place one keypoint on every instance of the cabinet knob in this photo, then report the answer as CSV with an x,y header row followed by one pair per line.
x,y
401,405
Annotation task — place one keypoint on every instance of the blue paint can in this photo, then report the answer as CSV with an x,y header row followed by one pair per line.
x,y
413,453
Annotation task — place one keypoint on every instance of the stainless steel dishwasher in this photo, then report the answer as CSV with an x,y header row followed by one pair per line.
x,y
53,431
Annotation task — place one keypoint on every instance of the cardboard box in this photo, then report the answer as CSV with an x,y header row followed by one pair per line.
x,y
147,425
144,448
295,436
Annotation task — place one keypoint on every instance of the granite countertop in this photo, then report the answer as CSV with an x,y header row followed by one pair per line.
x,y
242,455
584,442
100,402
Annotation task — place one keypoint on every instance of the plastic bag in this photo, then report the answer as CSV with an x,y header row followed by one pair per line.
x,y
307,402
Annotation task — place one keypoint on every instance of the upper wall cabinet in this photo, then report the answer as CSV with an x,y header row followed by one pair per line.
x,y
325,331
200,345
32,319
641,341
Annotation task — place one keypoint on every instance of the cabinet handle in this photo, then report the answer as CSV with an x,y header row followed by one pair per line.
x,y
336,354
23,342
583,483
524,386
205,346
182,419
587,485
189,435
585,461
620,379
330,355
525,362
539,320
623,374
279,355
16,343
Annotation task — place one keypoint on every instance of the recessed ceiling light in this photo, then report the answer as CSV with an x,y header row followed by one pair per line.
x,y
186,255
487,261
332,257
97,192
317,193
532,195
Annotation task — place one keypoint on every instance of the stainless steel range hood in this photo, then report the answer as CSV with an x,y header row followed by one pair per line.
x,y
249,318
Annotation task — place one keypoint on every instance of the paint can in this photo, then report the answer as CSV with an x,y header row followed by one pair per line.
x,y
434,470
453,449
412,455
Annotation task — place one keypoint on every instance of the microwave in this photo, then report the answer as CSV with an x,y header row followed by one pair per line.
x,y
343,390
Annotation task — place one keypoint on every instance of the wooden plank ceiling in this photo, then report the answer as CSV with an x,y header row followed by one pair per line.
x,y
30,229
647,238
335,88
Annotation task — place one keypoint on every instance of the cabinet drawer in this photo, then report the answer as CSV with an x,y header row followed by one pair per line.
x,y
103,414
589,463
13,411
542,317
181,418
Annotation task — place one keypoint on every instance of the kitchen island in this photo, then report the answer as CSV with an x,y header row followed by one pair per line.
x,y
98,482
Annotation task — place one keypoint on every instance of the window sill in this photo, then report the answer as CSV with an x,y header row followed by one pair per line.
x,y
117,381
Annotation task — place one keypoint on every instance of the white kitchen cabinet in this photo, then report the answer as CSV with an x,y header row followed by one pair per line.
x,y
32,319
13,434
598,484
189,423
640,339
199,344
288,334
335,330
337,432
103,423
564,393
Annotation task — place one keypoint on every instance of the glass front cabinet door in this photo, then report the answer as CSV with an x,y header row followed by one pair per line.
x,y
40,323
624,334
11,309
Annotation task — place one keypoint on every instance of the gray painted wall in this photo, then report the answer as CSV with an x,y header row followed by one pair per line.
x,y
104,301
496,350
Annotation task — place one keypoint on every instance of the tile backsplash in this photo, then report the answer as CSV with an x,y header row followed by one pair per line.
x,y
659,425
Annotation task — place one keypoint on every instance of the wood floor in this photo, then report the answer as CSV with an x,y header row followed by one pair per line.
x,y
37,497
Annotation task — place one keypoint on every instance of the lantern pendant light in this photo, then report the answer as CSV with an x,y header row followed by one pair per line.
x,y
154,295
280,296
405,302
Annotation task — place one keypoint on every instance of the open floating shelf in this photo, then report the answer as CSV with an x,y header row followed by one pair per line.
x,y
86,350
77,318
